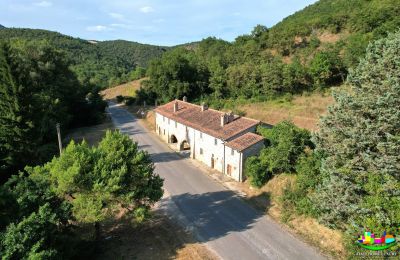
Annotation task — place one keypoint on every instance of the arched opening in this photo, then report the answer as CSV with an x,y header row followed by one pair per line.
x,y
173,139
185,146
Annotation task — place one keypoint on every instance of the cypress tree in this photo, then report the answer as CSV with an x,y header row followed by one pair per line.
x,y
10,130
360,137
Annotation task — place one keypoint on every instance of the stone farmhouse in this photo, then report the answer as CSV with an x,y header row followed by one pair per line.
x,y
220,140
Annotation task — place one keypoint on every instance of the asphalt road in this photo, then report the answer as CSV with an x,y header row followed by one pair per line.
x,y
216,215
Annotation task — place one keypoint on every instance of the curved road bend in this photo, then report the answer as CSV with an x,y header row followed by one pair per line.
x,y
228,225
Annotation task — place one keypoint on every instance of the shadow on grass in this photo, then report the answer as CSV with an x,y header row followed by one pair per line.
x,y
158,238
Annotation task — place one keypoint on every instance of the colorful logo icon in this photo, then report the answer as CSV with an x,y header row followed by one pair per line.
x,y
369,241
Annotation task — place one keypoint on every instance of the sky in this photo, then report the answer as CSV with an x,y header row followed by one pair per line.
x,y
159,22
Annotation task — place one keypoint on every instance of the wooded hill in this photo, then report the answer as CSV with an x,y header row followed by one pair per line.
x,y
311,49
103,64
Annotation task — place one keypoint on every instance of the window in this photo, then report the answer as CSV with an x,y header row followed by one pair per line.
x,y
232,151
163,118
201,135
164,131
215,141
176,124
168,120
201,150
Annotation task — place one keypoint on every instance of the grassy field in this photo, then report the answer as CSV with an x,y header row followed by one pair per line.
x,y
302,110
127,89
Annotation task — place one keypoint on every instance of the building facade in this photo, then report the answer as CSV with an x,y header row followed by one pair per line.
x,y
221,141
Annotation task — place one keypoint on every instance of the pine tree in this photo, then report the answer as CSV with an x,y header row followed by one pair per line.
x,y
10,131
360,137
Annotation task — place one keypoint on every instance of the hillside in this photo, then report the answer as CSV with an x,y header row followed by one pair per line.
x,y
1,26
127,90
103,64
350,24
309,51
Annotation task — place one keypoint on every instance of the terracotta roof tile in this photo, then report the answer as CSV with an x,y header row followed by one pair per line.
x,y
208,121
244,141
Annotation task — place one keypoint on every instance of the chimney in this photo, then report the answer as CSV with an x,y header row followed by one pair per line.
x,y
224,119
175,106
204,107
184,99
231,117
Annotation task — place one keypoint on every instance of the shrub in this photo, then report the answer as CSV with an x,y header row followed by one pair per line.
x,y
120,98
130,101
285,143
256,172
296,197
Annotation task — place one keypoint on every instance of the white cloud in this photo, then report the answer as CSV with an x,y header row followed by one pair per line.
x,y
146,9
98,28
117,16
43,4
121,25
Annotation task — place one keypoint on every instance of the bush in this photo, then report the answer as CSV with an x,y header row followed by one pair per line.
x,y
130,101
285,143
120,98
256,172
296,197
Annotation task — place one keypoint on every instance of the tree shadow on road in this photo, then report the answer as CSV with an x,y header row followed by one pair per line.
x,y
216,214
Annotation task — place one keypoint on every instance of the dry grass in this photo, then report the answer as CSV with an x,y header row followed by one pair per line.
x,y
158,238
304,111
127,89
328,37
92,134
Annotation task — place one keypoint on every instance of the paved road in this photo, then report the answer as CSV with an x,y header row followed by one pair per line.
x,y
227,224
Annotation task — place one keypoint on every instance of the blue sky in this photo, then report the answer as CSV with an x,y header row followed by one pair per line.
x,y
167,22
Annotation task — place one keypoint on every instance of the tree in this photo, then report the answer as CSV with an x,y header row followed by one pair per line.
x,y
38,90
285,144
326,68
11,128
360,137
35,221
103,179
257,173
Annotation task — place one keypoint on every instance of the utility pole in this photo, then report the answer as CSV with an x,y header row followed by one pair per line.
x,y
59,137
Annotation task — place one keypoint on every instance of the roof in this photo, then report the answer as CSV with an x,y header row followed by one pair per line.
x,y
208,121
244,141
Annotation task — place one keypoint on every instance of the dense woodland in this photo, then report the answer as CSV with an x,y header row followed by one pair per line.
x,y
103,64
311,49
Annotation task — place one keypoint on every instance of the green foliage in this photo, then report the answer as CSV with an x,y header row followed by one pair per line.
x,y
326,68
103,64
360,138
285,143
38,208
34,219
37,91
256,171
296,197
35,236
176,75
290,57
115,174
